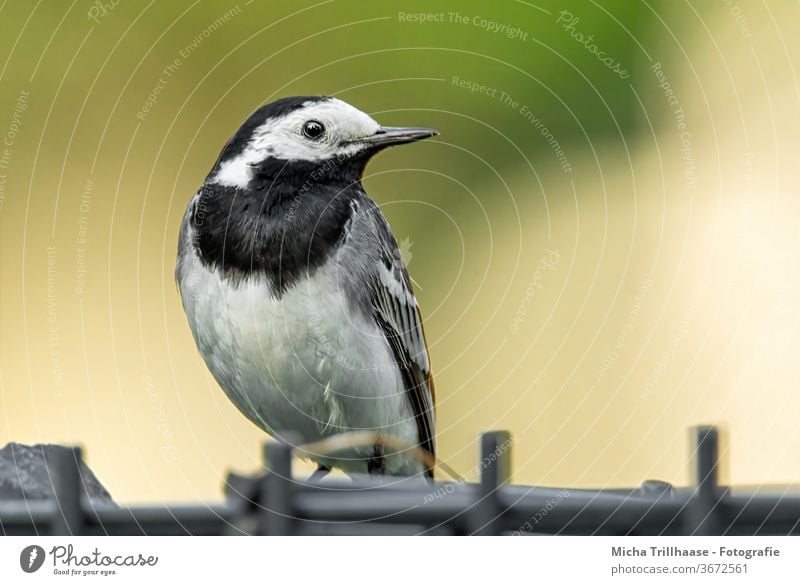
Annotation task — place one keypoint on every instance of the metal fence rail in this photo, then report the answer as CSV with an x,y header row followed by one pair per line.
x,y
276,503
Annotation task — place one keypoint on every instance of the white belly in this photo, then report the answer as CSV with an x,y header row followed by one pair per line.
x,y
303,363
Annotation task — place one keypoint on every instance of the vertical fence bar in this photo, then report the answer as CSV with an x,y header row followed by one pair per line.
x,y
277,515
495,466
64,467
704,515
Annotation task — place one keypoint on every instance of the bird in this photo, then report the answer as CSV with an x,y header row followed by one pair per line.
x,y
296,293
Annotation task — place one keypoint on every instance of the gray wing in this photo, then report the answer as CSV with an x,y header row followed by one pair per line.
x,y
396,312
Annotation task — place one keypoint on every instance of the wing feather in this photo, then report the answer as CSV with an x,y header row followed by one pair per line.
x,y
397,314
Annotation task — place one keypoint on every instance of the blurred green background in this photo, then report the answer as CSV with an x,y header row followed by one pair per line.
x,y
604,236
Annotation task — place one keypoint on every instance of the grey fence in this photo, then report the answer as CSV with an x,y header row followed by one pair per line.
x,y
276,503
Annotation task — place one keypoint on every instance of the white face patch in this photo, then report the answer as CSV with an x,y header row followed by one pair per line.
x,y
283,138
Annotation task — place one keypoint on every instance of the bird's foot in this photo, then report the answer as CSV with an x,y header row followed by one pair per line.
x,y
376,464
320,472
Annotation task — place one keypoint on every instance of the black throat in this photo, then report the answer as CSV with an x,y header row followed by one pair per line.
x,y
284,225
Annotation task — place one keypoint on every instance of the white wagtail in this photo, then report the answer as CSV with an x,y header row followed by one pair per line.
x,y
295,290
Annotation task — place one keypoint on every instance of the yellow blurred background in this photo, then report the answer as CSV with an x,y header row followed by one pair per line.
x,y
605,235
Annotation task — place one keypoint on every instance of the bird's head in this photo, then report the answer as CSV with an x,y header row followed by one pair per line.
x,y
305,132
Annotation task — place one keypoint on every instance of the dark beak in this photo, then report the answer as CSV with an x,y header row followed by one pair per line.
x,y
390,135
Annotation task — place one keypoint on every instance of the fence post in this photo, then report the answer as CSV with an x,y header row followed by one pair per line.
x,y
64,467
495,466
704,515
275,497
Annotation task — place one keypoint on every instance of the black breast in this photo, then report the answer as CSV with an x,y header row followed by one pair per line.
x,y
287,223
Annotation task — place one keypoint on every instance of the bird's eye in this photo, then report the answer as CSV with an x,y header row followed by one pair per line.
x,y
313,129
